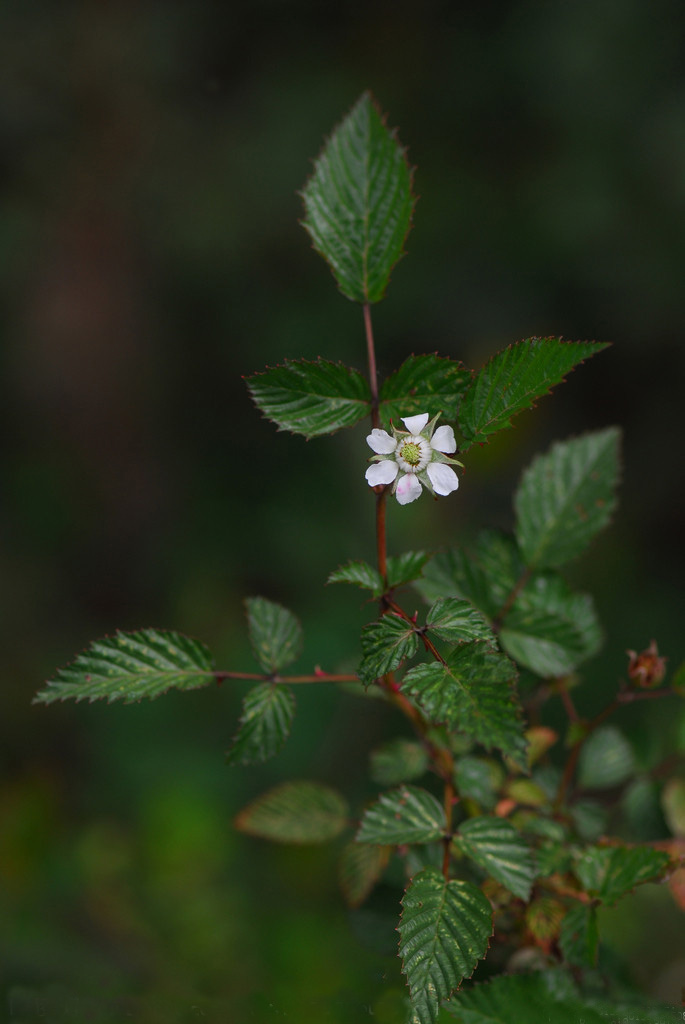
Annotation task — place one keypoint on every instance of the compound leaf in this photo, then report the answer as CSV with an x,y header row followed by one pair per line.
x,y
445,930
405,815
495,845
311,398
512,381
426,383
130,666
565,497
295,812
268,712
358,202
275,634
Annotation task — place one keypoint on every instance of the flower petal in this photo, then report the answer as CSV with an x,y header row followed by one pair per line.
x,y
382,473
415,424
443,440
408,489
444,479
381,442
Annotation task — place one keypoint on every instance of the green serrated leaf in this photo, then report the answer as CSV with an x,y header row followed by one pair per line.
x,y
478,779
550,630
426,383
606,759
385,645
359,868
495,845
609,872
131,666
472,692
358,202
405,568
275,634
361,574
268,712
522,998
445,930
566,496
512,381
405,815
485,576
398,760
311,398
296,812
579,937
456,621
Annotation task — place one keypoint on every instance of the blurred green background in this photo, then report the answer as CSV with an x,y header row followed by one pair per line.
x,y
150,256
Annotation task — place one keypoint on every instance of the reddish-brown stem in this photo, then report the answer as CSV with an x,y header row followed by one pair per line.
x,y
567,701
373,372
381,541
447,841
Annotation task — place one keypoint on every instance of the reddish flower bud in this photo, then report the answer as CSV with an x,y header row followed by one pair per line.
x,y
646,669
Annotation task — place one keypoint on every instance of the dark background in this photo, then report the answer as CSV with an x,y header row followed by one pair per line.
x,y
150,256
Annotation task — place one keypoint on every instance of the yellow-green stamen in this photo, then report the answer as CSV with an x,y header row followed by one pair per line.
x,y
411,453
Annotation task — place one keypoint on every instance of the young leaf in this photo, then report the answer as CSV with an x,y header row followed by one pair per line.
x,y
445,930
385,645
404,568
295,812
426,383
512,381
609,872
405,815
358,202
268,712
359,868
473,693
130,666
496,846
550,630
565,497
398,760
311,398
275,634
361,574
606,759
579,936
457,621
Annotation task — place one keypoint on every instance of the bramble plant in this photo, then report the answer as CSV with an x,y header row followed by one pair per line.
x,y
492,823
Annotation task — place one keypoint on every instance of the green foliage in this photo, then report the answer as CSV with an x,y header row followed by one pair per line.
x,y
512,381
402,569
405,815
360,867
399,760
311,398
385,645
485,576
275,634
565,497
472,691
478,779
268,712
361,574
130,666
358,203
427,383
609,872
522,998
579,937
673,805
444,931
496,846
456,621
606,759
295,812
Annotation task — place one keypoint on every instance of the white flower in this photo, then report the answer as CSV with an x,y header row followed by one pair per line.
x,y
408,458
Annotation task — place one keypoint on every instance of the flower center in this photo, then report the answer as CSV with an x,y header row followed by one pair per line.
x,y
411,453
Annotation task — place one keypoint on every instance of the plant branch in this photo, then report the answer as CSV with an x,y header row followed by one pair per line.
x,y
264,677
373,372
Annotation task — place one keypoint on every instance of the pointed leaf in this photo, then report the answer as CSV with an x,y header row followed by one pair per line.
x,y
360,867
550,630
406,567
485,576
295,812
268,712
580,936
311,398
358,202
399,760
130,666
405,815
385,645
426,383
609,872
473,693
457,621
606,759
565,497
512,381
275,633
496,846
361,574
445,930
